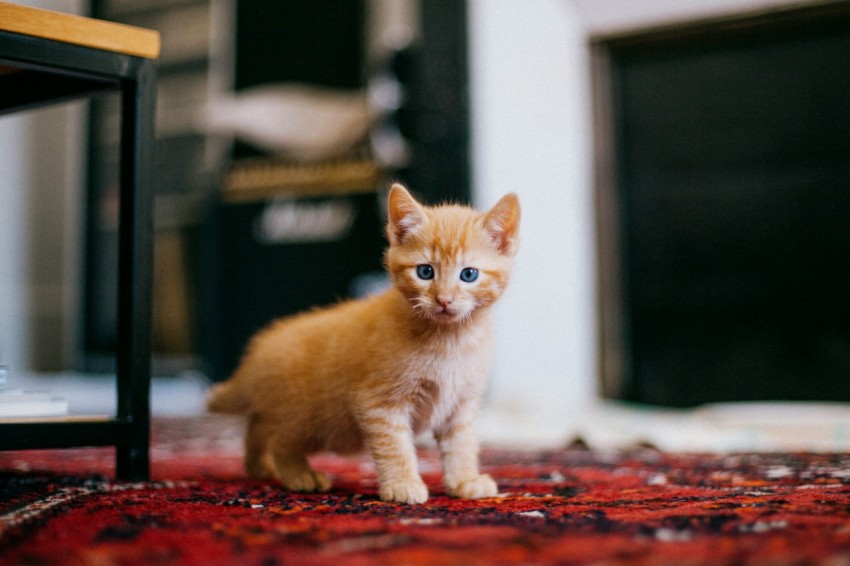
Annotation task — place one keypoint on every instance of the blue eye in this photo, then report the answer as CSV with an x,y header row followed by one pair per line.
x,y
425,271
469,274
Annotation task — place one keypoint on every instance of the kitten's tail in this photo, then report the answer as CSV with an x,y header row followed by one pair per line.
x,y
226,398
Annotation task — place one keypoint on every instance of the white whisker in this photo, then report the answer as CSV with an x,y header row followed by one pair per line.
x,y
420,306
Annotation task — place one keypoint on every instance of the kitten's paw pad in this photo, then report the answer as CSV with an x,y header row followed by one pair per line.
x,y
476,488
410,492
308,480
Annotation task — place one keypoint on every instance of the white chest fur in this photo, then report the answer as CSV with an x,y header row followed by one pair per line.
x,y
443,380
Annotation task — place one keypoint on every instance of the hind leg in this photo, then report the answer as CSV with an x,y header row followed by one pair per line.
x,y
295,472
258,436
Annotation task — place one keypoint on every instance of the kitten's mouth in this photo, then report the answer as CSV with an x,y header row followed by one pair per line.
x,y
445,314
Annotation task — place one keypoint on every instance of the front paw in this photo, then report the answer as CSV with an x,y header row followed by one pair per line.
x,y
409,492
475,488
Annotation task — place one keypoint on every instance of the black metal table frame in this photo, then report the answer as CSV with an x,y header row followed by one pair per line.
x,y
49,72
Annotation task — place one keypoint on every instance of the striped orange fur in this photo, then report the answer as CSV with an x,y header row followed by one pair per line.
x,y
374,373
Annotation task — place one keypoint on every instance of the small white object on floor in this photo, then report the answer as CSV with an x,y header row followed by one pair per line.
x,y
18,403
95,394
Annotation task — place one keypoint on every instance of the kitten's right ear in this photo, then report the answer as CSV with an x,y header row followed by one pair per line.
x,y
405,214
502,223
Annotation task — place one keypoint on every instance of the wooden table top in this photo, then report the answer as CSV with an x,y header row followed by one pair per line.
x,y
79,30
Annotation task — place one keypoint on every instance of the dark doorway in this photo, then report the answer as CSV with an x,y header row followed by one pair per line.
x,y
724,209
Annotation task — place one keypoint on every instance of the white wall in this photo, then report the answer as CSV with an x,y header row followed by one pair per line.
x,y
41,190
531,133
530,125
13,321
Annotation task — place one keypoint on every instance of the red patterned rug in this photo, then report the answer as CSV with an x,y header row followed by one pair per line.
x,y
572,506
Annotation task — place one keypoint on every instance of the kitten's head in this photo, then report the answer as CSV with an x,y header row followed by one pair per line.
x,y
450,261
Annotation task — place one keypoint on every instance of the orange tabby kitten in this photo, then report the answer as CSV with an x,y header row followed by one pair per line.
x,y
375,372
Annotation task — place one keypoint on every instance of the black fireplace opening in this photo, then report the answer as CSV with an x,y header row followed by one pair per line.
x,y
723,192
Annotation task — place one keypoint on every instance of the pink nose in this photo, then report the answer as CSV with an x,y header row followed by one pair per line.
x,y
444,301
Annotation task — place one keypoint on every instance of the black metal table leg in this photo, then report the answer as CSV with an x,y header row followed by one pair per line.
x,y
135,270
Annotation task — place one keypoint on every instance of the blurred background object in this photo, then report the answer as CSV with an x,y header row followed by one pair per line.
x,y
279,126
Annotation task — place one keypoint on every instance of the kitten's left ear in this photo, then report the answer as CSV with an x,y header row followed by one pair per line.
x,y
405,214
502,223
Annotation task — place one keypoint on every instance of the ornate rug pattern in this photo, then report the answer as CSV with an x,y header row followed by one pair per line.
x,y
570,506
